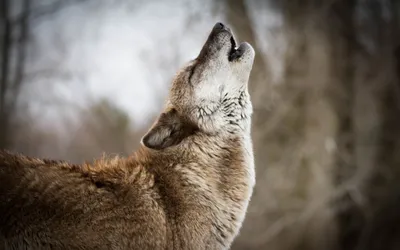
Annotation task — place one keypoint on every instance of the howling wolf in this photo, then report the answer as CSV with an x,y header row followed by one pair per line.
x,y
187,187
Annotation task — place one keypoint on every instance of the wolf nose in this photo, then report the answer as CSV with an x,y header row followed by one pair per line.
x,y
219,25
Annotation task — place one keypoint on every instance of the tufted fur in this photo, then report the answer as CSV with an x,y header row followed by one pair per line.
x,y
187,187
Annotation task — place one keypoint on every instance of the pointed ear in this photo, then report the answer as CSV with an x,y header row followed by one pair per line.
x,y
169,130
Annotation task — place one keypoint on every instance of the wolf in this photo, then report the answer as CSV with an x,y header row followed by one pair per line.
x,y
187,187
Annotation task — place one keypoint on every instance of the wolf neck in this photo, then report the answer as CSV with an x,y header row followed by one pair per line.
x,y
207,179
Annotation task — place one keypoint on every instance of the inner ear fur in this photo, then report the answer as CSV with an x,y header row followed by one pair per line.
x,y
169,130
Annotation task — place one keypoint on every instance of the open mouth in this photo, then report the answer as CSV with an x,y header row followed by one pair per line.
x,y
235,52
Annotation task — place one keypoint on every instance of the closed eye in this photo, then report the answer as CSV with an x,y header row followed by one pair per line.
x,y
191,73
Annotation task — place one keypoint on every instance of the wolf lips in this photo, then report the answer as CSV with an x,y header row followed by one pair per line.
x,y
236,53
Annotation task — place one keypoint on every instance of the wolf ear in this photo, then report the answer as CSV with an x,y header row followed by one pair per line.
x,y
169,130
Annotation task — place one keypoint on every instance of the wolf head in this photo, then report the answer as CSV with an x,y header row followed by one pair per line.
x,y
209,95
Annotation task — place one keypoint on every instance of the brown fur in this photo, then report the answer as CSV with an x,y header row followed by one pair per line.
x,y
186,188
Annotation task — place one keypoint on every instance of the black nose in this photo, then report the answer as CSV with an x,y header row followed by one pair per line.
x,y
219,25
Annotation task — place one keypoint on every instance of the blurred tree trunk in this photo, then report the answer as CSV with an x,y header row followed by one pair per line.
x,y
14,42
344,96
5,65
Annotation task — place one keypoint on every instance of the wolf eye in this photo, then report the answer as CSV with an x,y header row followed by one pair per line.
x,y
191,74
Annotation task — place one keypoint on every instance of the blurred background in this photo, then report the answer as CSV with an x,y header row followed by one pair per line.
x,y
83,77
